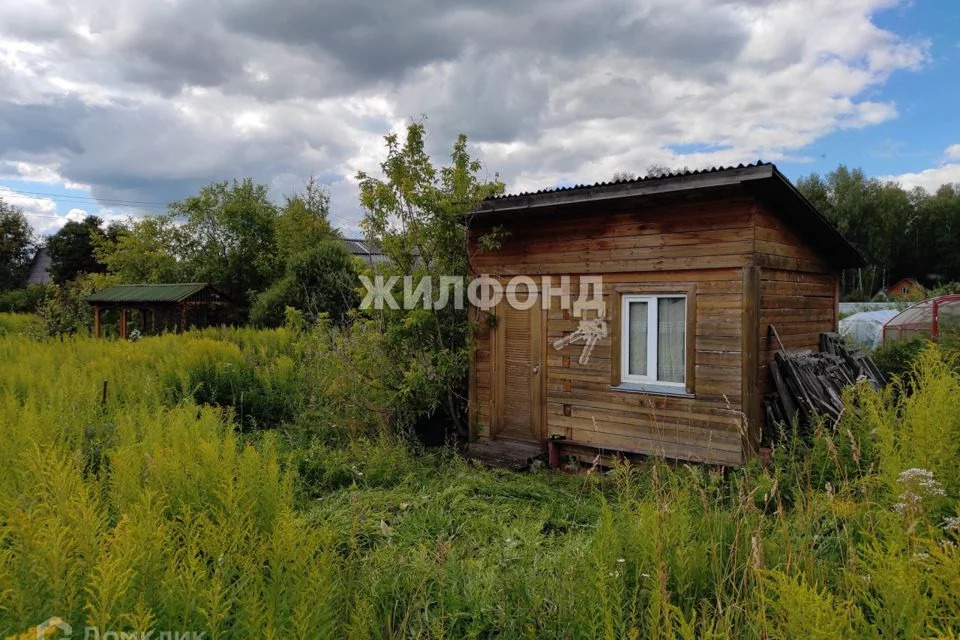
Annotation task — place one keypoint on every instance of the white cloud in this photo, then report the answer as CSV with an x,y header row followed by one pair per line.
x,y
933,178
929,179
76,215
31,172
45,173
148,101
31,205
40,212
107,215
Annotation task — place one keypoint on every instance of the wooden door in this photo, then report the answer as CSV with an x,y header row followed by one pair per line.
x,y
519,372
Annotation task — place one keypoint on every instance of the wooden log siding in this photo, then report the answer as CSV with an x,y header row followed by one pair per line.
x,y
583,407
730,237
663,240
798,293
697,246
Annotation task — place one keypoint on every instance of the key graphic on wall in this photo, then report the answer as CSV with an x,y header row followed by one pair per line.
x,y
590,331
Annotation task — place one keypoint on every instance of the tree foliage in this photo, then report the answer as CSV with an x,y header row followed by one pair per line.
x,y
16,246
304,221
232,235
231,238
72,249
320,279
417,213
147,250
28,299
65,310
900,233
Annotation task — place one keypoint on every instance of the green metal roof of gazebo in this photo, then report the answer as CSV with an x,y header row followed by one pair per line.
x,y
147,293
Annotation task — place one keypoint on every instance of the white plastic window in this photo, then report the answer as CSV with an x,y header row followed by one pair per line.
x,y
653,339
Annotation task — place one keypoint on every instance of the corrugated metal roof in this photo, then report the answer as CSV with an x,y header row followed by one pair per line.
x,y
363,249
356,247
148,292
665,176
762,179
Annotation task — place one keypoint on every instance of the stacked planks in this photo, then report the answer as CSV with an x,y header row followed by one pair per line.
x,y
805,385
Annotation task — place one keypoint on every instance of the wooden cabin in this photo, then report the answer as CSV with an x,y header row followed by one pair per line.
x,y
694,269
904,289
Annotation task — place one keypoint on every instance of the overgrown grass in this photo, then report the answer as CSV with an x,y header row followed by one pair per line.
x,y
24,324
156,511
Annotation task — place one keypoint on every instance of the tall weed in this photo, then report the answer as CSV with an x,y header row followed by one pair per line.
x,y
155,508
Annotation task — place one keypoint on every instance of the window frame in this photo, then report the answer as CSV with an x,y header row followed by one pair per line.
x,y
624,291
653,318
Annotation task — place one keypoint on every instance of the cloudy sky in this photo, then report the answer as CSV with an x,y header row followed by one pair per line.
x,y
119,106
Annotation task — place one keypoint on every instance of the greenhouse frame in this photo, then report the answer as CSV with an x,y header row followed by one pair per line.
x,y
932,319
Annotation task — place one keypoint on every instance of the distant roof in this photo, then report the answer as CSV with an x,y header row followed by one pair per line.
x,y
40,267
761,179
912,281
149,293
363,249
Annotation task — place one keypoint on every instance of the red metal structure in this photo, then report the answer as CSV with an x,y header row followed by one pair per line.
x,y
932,318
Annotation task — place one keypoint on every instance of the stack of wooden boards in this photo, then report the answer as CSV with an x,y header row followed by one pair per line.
x,y
805,384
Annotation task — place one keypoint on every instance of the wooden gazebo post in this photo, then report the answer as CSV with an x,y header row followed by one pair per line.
x,y
96,320
123,323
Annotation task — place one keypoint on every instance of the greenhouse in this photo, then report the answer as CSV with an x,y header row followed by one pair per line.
x,y
865,329
932,319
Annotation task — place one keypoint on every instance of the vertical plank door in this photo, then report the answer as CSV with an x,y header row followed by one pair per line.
x,y
518,369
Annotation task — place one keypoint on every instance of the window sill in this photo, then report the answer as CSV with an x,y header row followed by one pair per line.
x,y
652,389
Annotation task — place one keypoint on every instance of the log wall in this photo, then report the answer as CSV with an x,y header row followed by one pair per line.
x,y
799,293
701,249
743,269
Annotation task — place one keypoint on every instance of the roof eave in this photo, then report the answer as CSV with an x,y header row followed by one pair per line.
x,y
200,287
850,257
758,178
194,288
685,182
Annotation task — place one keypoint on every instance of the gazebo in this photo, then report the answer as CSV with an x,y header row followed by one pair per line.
x,y
154,308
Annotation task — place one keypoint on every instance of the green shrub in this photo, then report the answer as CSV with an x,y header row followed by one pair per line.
x,y
896,358
260,390
65,310
27,300
318,280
